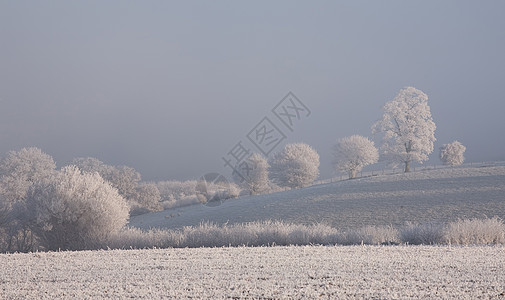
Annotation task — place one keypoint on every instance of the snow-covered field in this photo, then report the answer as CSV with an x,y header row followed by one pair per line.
x,y
312,272
443,195
308,272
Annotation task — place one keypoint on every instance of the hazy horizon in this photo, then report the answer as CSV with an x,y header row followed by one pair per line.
x,y
169,88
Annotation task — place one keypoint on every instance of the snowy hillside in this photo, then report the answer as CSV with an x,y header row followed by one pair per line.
x,y
431,195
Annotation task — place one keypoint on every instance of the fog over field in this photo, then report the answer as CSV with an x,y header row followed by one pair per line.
x,y
252,150
169,88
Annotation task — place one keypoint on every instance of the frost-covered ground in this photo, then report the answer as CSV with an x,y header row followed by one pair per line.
x,y
311,272
443,195
308,272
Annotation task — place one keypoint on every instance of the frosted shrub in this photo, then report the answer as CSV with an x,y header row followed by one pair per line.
x,y
183,193
182,201
20,170
123,178
217,191
270,233
3,240
4,210
452,154
233,191
274,188
422,234
147,199
353,153
134,238
142,197
475,231
369,235
211,235
176,189
75,210
253,174
296,166
178,193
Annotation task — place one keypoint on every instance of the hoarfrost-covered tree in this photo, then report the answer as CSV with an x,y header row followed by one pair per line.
x,y
176,190
4,211
353,153
409,130
252,174
125,179
452,154
4,221
19,170
75,210
148,199
140,196
296,166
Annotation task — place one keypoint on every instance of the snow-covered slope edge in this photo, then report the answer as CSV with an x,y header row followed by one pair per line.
x,y
431,195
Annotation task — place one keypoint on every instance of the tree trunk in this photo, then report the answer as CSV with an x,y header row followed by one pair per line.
x,y
408,149
407,166
352,174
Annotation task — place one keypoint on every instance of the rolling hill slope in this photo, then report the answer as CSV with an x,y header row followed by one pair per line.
x,y
423,196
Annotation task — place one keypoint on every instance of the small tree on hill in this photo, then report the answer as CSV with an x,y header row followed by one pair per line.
x,y
252,174
353,153
296,166
452,154
409,130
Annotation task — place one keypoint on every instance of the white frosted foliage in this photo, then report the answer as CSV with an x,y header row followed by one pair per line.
x,y
408,128
75,210
253,175
124,178
452,154
20,169
296,166
142,197
147,198
353,153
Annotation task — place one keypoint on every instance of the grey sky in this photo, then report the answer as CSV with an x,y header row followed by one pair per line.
x,y
170,87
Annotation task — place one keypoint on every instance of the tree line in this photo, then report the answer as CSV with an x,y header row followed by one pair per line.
x,y
85,202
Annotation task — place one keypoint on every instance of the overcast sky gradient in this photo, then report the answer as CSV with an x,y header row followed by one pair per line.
x,y
170,87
